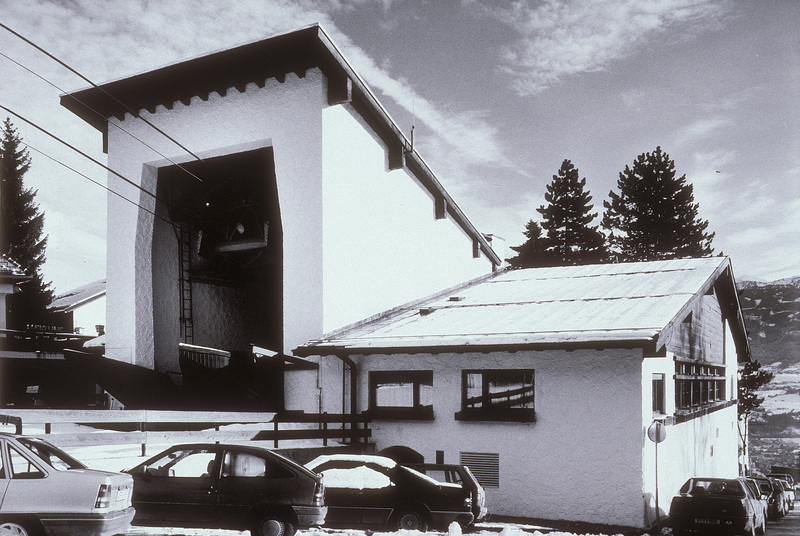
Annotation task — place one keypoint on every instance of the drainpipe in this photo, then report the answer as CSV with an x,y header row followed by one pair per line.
x,y
353,383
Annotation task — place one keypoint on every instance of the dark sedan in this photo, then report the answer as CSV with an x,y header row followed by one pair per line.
x,y
376,493
717,506
227,487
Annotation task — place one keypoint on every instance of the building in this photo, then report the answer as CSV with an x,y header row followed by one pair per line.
x,y
285,210
545,382
283,203
84,307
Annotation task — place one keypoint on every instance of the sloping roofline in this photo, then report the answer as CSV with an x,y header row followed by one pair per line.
x,y
353,339
255,62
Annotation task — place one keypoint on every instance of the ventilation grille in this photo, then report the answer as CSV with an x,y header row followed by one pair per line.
x,y
485,466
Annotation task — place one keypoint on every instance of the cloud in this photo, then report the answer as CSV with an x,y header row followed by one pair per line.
x,y
558,39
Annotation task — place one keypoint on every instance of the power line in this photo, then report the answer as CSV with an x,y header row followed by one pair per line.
x,y
110,190
128,108
76,99
78,151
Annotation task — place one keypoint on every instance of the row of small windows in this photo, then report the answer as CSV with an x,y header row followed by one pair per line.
x,y
695,385
490,395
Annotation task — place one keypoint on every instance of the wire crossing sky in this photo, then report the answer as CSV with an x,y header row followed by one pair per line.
x,y
499,93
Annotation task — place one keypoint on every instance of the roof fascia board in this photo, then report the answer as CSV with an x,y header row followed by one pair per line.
x,y
646,344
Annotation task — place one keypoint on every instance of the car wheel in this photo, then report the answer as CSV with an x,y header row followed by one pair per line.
x,y
411,520
10,528
270,525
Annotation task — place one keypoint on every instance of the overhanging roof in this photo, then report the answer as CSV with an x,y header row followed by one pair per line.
x,y
255,62
605,305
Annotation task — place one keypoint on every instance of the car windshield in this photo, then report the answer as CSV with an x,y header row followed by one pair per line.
x,y
52,455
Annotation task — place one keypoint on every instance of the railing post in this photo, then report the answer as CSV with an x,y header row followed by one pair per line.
x,y
47,428
143,428
324,429
275,429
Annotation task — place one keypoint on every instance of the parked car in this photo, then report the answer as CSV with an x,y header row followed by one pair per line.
x,y
788,494
776,507
227,487
763,498
375,492
45,490
718,506
461,475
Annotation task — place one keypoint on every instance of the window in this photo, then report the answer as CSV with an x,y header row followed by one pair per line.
x,y
698,384
497,395
401,394
658,394
191,463
22,467
247,465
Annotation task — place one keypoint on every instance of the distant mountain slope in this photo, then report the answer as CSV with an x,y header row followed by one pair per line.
x,y
772,317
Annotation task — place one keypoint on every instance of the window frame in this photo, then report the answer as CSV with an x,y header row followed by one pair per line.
x,y
417,411
698,385
491,412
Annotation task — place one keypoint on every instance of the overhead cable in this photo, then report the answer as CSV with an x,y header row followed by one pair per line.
x,y
110,190
76,99
128,108
78,151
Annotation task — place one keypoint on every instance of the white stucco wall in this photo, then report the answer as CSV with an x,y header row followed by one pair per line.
x,y
288,116
382,245
581,460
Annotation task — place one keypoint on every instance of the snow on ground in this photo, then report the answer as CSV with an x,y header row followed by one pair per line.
x,y
503,529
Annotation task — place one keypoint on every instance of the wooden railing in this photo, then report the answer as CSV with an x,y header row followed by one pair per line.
x,y
83,428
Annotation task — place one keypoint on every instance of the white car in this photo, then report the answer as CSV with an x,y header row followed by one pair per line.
x,y
44,490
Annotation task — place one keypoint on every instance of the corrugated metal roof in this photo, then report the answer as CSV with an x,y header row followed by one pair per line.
x,y
593,303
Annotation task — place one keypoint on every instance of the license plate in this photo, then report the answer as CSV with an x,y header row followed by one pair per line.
x,y
706,521
123,494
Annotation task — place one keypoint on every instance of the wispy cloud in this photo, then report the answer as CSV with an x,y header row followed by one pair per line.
x,y
558,39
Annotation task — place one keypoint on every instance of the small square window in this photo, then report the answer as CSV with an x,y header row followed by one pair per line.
x,y
497,395
401,394
658,394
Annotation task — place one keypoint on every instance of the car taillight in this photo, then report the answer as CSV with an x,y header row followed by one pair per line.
x,y
103,497
468,501
319,495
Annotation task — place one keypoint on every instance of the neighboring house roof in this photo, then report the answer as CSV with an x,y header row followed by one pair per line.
x,y
75,298
255,62
595,305
10,270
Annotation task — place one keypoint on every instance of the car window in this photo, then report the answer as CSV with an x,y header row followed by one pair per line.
x,y
2,468
53,456
189,463
249,465
22,467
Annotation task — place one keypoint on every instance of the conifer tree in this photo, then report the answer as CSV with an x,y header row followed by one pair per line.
x,y
21,226
533,252
566,219
654,216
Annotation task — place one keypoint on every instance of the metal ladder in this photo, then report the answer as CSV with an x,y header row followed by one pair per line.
x,y
185,266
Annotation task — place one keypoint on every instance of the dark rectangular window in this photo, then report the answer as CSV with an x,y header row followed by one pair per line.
x,y
658,394
698,385
401,394
497,395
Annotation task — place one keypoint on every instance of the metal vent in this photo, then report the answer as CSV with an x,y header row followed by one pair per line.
x,y
485,466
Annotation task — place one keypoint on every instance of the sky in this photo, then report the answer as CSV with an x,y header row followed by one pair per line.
x,y
499,93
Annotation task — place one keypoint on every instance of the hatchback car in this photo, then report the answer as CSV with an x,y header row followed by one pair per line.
x,y
461,475
717,506
44,489
375,492
227,487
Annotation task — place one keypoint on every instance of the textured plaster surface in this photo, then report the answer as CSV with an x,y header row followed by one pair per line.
x,y
580,460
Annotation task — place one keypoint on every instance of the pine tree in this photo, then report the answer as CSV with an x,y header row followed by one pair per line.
x,y
567,218
21,226
533,252
654,216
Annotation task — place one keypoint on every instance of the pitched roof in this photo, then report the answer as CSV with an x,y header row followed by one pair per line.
x,y
274,57
77,297
604,304
10,270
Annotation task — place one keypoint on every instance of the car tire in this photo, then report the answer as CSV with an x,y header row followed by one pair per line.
x,y
271,525
18,528
410,520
